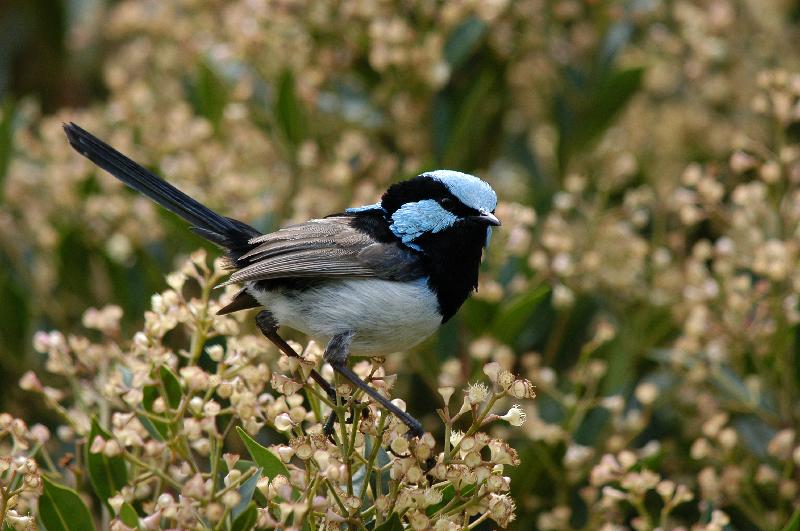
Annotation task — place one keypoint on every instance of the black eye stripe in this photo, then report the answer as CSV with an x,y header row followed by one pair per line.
x,y
425,188
457,207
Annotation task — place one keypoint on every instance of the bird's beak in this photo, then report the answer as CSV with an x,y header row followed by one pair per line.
x,y
486,218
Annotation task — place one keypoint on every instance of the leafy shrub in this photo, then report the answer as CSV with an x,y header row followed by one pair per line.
x,y
645,278
160,432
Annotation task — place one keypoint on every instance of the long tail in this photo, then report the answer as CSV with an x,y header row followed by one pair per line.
x,y
229,233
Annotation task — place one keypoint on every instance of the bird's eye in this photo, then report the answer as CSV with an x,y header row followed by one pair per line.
x,y
447,203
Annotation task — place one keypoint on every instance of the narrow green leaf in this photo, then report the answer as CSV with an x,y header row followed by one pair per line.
x,y
472,118
246,520
246,491
62,509
129,516
289,112
151,428
106,474
463,41
7,114
208,93
379,473
15,312
393,523
172,386
158,430
442,116
588,107
174,392
610,97
243,465
515,314
754,433
270,464
447,495
794,522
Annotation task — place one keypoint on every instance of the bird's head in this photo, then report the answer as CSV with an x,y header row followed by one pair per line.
x,y
448,216
437,201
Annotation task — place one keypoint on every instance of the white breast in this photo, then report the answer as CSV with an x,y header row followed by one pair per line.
x,y
386,316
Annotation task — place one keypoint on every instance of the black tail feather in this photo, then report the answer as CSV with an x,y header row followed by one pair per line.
x,y
223,231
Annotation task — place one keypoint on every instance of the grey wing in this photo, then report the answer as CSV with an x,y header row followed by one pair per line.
x,y
325,248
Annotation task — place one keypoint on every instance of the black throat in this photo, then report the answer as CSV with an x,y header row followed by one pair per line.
x,y
453,258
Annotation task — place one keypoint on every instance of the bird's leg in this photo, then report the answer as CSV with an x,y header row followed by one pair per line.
x,y
336,354
269,327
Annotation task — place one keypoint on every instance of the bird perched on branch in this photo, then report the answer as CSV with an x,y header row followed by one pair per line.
x,y
371,280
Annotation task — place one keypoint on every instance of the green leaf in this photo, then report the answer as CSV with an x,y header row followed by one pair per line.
x,y
151,428
172,386
7,114
246,520
610,97
174,394
246,491
61,509
106,474
158,430
208,94
469,117
379,473
755,433
447,495
15,312
129,516
243,465
289,113
270,464
588,107
393,523
513,316
794,522
463,41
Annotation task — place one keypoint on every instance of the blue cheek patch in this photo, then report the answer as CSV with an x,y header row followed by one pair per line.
x,y
412,220
488,237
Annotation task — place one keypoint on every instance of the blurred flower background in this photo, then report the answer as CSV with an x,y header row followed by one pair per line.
x,y
647,158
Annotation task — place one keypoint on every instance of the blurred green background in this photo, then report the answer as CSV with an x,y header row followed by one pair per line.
x,y
623,138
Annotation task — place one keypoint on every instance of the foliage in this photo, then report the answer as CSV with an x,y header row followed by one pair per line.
x,y
173,462
645,278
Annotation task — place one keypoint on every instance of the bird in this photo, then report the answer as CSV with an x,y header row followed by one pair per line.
x,y
368,281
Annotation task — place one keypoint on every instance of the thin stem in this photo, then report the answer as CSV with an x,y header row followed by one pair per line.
x,y
638,504
156,471
336,497
216,446
235,484
476,424
345,448
222,521
373,455
3,506
478,520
